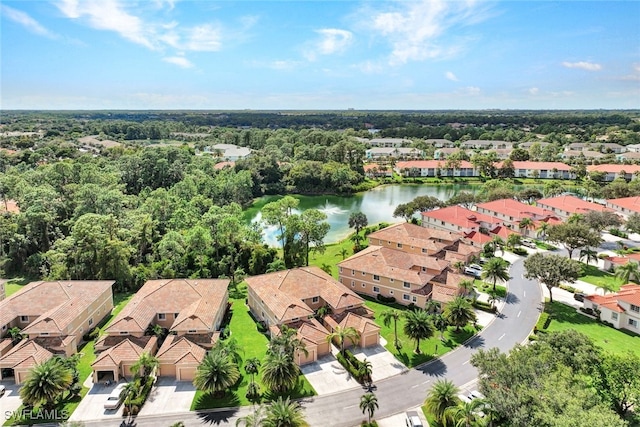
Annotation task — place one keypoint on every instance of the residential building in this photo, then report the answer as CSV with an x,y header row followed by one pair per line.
x,y
565,206
527,145
410,263
228,152
293,297
613,171
440,143
8,205
612,262
587,154
192,309
221,165
482,144
445,152
373,170
625,205
543,170
512,212
501,153
54,315
629,156
19,360
3,291
622,308
434,168
395,152
459,220
633,148
385,142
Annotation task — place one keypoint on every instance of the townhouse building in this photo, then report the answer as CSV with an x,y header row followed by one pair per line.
x,y
622,308
432,168
625,205
512,212
567,205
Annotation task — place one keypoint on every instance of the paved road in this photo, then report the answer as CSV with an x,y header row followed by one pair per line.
x,y
396,394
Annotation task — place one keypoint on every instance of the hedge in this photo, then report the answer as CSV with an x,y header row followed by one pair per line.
x,y
484,306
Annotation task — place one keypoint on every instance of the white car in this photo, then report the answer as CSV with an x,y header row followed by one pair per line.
x,y
475,267
113,401
473,272
475,394
412,419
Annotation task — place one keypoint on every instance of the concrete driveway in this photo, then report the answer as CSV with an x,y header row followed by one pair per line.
x,y
92,405
11,401
169,396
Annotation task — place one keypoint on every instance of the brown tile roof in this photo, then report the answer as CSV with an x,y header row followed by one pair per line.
x,y
59,302
359,323
460,216
5,345
124,351
198,298
415,235
283,291
571,204
394,264
311,330
26,354
180,350
515,209
11,206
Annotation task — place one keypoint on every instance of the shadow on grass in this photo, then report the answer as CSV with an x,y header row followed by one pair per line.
x,y
388,304
209,401
217,417
566,314
298,392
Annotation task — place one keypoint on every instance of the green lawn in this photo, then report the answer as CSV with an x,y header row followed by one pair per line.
x,y
566,317
485,287
254,344
430,348
597,277
15,284
332,255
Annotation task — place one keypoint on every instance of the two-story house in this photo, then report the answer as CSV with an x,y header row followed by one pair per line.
x,y
622,308
512,212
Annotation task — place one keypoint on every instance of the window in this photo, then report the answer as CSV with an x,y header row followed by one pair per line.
x,y
24,319
162,316
406,285
363,285
399,245
175,315
191,331
405,297
44,334
4,328
315,300
424,268
340,269
424,251
353,283
633,323
90,322
364,274
376,277
124,333
441,222
635,308
614,316
295,318
391,292
376,289
353,272
414,299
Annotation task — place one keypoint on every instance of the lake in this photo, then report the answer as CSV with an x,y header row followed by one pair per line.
x,y
377,204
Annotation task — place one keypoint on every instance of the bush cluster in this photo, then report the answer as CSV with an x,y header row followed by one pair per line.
x,y
387,300
352,365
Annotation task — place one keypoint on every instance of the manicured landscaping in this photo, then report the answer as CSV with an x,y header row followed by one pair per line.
x,y
332,255
254,344
430,348
485,287
597,277
565,317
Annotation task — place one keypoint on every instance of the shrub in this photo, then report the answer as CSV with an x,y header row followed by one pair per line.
x,y
388,300
520,251
569,288
484,306
262,327
618,233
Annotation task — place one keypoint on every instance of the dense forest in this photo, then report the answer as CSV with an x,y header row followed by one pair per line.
x,y
149,204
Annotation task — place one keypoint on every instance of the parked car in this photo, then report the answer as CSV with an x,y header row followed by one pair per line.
x,y
475,267
475,394
412,419
579,296
529,243
114,401
473,272
2,390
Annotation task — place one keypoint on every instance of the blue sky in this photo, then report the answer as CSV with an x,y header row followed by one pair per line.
x,y
162,54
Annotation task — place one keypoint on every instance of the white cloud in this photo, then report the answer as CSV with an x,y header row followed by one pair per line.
x,y
416,29
26,21
180,61
283,65
110,15
450,76
331,41
533,90
583,65
470,91
636,67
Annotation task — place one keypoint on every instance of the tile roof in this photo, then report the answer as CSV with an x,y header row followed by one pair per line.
x,y
26,354
359,323
283,291
460,216
222,165
56,304
180,350
393,263
614,168
124,351
571,204
630,203
629,293
196,301
415,235
515,209
311,330
430,164
10,206
549,166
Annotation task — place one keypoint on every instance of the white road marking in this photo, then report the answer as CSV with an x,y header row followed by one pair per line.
x,y
465,362
414,386
501,336
524,293
351,406
426,382
519,313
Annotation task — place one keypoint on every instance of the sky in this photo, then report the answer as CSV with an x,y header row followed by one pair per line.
x,y
319,55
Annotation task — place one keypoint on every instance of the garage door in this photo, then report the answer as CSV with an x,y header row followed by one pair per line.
x,y
186,374
370,340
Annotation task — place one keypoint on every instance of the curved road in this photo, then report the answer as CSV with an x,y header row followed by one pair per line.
x,y
407,390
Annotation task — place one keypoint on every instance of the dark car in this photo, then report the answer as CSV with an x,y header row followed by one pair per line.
x,y
579,296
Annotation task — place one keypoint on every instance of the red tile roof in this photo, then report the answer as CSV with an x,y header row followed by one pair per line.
x,y
515,209
629,203
430,164
542,166
611,168
460,216
571,204
222,165
629,293
414,235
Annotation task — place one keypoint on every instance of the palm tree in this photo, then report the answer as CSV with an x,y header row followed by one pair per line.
x,y
254,419
16,335
495,270
284,413
387,316
575,219
432,306
343,253
365,371
513,240
588,254
418,326
287,342
459,312
607,287
467,286
129,392
443,395
279,372
465,414
440,323
251,367
628,272
542,230
458,266
526,224
46,382
230,348
498,243
341,334
216,373
146,364
369,404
